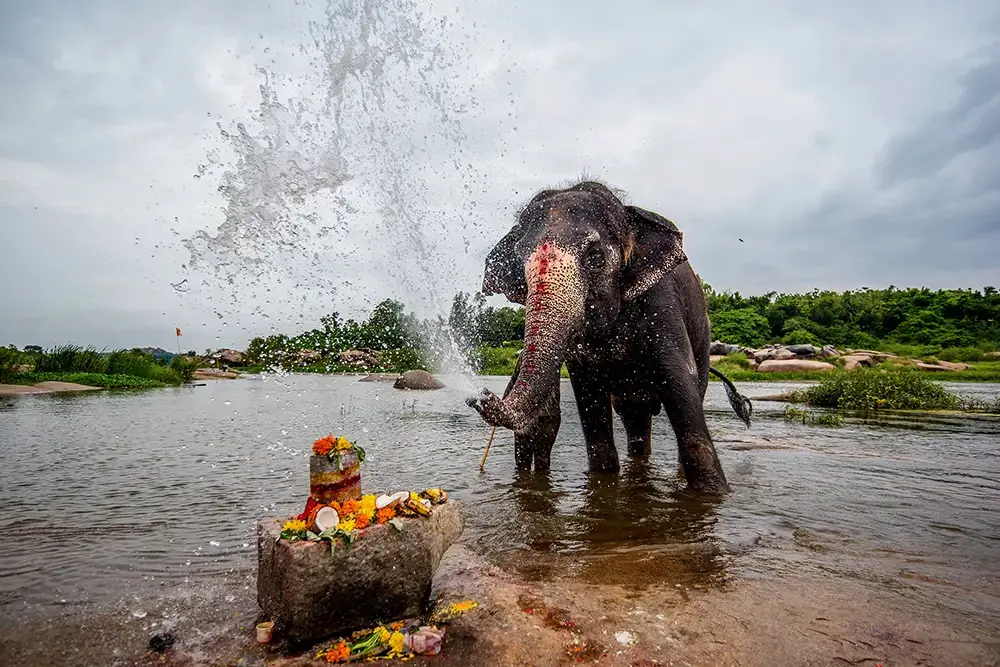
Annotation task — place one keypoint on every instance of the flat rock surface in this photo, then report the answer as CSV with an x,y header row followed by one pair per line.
x,y
45,388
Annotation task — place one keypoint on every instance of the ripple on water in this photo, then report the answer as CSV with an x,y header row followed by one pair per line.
x,y
162,489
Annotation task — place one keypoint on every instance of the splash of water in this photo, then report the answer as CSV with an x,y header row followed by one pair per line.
x,y
327,194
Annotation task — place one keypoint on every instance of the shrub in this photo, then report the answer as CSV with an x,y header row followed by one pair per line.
x,y
962,354
183,368
497,360
872,389
125,362
800,337
10,360
404,359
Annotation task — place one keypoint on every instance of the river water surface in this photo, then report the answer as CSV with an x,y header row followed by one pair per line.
x,y
121,500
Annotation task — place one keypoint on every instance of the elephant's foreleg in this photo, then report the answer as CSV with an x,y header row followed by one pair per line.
x,y
533,443
593,401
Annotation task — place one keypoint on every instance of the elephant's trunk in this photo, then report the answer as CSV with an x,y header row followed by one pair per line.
x,y
553,312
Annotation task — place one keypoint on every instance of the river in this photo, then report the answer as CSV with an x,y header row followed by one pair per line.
x,y
122,500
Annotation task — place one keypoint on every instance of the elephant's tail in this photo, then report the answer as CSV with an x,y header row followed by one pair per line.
x,y
741,404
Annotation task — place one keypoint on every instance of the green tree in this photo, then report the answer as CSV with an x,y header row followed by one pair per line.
x,y
744,326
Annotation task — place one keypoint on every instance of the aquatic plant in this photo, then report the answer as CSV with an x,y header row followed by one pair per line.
x,y
867,389
791,413
92,379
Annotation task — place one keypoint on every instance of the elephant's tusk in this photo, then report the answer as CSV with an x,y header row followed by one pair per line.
x,y
482,463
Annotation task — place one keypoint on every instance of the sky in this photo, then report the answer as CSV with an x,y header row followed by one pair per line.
x,y
242,168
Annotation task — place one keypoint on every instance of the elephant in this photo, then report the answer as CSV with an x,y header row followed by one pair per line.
x,y
607,290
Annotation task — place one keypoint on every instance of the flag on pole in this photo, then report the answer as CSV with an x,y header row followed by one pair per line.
x,y
178,331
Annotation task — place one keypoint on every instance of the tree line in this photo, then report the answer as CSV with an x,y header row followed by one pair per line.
x,y
864,318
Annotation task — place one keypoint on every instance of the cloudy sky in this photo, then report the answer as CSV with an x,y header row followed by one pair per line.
x,y
234,168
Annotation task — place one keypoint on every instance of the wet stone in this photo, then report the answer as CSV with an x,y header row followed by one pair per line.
x,y
312,594
417,380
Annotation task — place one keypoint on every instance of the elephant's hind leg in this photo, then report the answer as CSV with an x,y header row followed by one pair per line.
x,y
638,421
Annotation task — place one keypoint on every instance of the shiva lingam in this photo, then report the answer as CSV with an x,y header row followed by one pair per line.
x,y
349,560
335,470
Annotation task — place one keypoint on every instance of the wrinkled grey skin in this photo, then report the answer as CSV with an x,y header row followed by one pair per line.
x,y
608,290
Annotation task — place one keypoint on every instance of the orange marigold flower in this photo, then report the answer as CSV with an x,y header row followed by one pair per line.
x,y
350,506
385,514
323,446
361,521
339,653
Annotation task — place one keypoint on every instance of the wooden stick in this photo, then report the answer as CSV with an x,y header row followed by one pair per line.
x,y
482,464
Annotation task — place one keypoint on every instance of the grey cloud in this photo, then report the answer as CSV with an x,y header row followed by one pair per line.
x,y
840,141
971,124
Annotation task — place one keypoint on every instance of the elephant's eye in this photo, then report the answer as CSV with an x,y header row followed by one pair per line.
x,y
594,259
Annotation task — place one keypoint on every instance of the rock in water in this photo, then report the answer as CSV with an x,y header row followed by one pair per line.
x,y
311,593
417,380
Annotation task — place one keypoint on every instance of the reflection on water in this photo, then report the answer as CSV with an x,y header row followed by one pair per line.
x,y
112,496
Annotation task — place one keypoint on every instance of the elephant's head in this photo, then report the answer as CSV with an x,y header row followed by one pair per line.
x,y
573,258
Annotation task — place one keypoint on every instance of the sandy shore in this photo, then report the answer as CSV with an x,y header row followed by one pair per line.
x,y
44,388
605,619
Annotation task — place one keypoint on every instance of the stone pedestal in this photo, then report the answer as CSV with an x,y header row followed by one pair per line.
x,y
331,480
312,594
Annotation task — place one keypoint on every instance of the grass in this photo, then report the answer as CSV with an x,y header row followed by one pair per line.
x,y
118,369
112,381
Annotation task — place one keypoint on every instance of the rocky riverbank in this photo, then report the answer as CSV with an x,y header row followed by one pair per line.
x,y
620,616
812,358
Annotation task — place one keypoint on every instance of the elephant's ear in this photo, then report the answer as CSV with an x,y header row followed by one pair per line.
x,y
652,250
505,270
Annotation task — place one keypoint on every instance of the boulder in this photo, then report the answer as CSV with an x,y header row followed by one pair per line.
x,y
852,361
720,348
829,351
784,353
229,357
931,367
793,366
417,380
995,355
764,354
306,357
311,593
804,350
943,366
715,358
359,358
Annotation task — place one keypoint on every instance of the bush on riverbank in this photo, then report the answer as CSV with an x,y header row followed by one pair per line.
x,y
11,360
127,368
869,389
